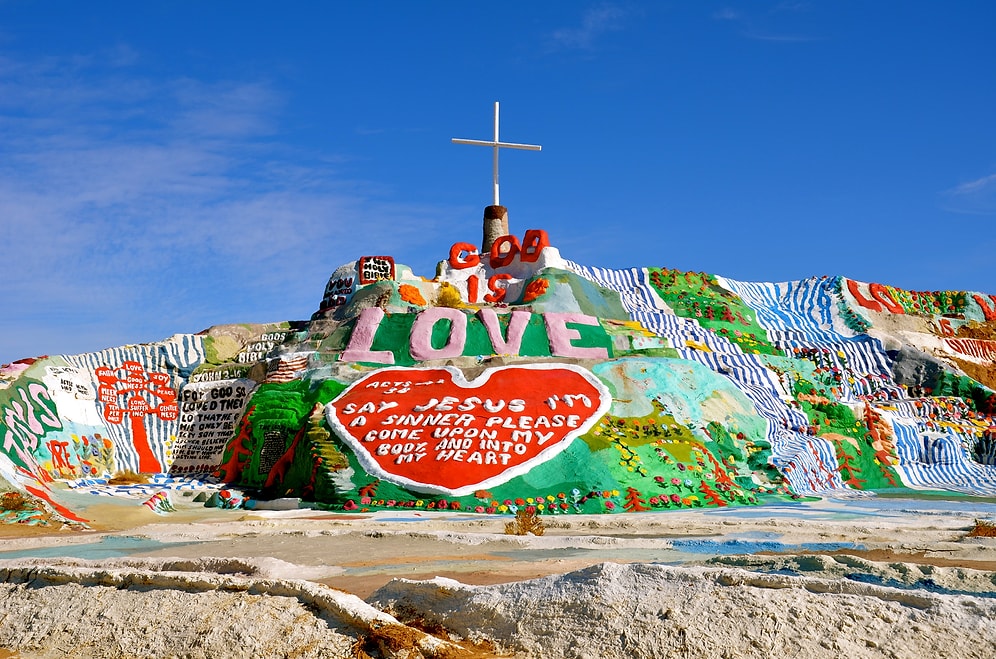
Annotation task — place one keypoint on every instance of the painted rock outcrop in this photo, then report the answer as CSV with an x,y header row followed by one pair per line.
x,y
521,380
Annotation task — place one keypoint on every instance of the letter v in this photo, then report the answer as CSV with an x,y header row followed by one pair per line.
x,y
516,330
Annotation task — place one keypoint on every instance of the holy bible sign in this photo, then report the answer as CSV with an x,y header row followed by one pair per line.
x,y
431,430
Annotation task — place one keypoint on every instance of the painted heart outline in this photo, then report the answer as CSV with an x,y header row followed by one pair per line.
x,y
431,430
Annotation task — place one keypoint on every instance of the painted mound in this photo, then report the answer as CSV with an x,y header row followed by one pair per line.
x,y
520,380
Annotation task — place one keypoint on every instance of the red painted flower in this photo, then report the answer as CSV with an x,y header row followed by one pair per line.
x,y
535,289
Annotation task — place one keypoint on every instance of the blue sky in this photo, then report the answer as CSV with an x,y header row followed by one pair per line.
x,y
167,166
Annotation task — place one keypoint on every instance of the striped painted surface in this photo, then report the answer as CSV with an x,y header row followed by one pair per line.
x,y
978,348
931,459
801,315
747,371
632,284
158,483
286,368
800,309
808,463
177,357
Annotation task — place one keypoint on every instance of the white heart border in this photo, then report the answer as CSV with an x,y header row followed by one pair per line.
x,y
373,467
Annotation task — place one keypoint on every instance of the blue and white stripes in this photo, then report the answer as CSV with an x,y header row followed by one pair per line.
x,y
177,357
800,319
935,456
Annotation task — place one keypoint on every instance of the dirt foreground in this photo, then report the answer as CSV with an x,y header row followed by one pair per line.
x,y
866,578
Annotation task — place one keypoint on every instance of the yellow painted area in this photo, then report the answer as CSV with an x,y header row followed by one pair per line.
x,y
681,450
695,345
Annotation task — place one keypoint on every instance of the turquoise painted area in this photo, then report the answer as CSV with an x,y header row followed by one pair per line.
x,y
106,547
690,392
568,292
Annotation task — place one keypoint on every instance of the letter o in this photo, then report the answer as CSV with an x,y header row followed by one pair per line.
x,y
421,337
500,258
532,245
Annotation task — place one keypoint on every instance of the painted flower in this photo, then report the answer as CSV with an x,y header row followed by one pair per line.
x,y
564,506
609,505
454,505
659,479
675,498
502,508
535,289
491,510
654,501
411,294
520,502
365,501
350,505
675,481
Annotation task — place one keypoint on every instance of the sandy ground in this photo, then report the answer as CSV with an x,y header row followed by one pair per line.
x,y
864,577
360,553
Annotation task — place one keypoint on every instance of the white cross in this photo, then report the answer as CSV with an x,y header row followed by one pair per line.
x,y
496,145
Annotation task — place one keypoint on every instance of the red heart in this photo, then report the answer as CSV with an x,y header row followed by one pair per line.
x,y
430,430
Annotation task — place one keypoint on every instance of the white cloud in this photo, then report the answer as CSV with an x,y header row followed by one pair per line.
x,y
977,197
594,23
727,14
128,203
750,29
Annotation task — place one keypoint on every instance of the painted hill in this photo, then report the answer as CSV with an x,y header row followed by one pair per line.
x,y
519,380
